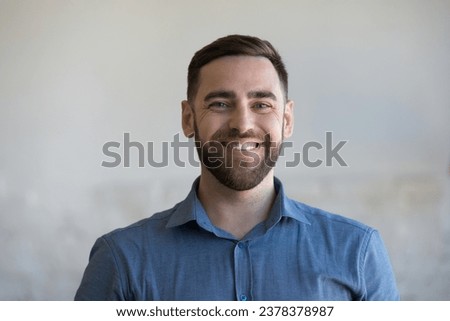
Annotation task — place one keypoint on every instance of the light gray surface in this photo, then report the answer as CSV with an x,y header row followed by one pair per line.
x,y
77,74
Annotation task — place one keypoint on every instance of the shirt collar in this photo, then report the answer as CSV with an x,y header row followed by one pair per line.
x,y
185,211
191,209
283,206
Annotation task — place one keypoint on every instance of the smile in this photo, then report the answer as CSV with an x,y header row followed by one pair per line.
x,y
248,146
245,146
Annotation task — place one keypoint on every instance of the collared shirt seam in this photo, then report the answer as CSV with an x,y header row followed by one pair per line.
x,y
120,272
362,257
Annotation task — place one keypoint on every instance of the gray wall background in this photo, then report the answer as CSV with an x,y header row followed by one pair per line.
x,y
77,74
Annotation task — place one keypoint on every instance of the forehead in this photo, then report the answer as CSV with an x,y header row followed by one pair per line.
x,y
239,74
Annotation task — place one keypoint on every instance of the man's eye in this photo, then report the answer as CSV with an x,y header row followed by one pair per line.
x,y
218,104
261,106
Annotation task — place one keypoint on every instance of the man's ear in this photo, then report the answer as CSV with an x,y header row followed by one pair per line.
x,y
187,119
288,119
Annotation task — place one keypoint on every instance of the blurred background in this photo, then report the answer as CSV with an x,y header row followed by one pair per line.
x,y
75,75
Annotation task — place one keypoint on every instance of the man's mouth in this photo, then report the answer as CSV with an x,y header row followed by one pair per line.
x,y
249,146
242,146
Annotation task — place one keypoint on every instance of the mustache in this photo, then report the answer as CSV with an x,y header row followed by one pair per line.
x,y
233,134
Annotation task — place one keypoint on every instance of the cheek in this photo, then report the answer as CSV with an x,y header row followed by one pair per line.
x,y
272,125
208,126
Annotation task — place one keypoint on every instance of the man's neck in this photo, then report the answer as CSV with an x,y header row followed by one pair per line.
x,y
236,212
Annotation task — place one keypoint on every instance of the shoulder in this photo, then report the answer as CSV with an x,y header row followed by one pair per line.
x,y
147,229
317,216
331,228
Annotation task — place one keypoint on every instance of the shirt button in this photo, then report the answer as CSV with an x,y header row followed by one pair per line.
x,y
242,245
243,297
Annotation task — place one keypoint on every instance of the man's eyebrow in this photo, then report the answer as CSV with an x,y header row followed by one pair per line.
x,y
220,94
262,94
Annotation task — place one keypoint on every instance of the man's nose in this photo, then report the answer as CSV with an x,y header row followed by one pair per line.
x,y
241,119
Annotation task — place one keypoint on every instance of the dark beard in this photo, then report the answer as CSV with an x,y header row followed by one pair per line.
x,y
239,175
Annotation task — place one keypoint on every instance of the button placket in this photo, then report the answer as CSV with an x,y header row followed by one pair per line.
x,y
242,269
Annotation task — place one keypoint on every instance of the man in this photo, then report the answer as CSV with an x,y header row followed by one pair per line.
x,y
237,236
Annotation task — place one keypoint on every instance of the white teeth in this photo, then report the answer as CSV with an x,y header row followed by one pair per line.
x,y
247,146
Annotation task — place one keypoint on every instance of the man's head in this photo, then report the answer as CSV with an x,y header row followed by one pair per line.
x,y
237,108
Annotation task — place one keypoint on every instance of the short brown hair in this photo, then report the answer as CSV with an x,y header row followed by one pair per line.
x,y
234,45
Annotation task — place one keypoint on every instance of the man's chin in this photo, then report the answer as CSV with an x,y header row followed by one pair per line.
x,y
243,179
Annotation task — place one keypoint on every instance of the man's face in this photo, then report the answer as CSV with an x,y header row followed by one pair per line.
x,y
239,119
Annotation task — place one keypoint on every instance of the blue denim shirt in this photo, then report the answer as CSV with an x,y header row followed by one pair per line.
x,y
298,253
